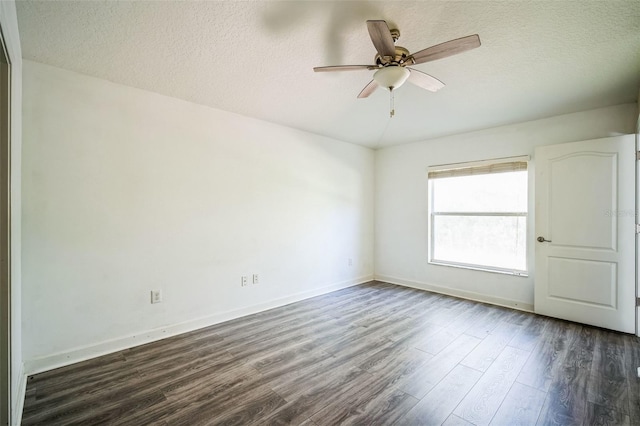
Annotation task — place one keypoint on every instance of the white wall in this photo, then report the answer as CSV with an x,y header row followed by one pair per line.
x,y
9,25
401,199
126,191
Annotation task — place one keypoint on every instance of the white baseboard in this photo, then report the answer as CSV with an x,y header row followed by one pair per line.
x,y
38,365
16,415
470,295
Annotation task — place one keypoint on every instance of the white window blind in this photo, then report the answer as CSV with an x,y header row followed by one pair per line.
x,y
512,166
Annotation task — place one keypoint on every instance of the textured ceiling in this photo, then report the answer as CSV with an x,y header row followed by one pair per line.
x,y
537,59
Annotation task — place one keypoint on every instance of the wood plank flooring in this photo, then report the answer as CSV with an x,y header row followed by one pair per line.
x,y
373,354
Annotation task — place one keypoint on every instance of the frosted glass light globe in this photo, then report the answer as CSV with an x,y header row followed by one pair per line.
x,y
391,77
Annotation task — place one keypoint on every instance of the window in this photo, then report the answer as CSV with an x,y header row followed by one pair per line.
x,y
478,215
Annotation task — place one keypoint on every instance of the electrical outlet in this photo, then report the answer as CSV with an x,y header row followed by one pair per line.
x,y
156,296
244,281
350,262
256,279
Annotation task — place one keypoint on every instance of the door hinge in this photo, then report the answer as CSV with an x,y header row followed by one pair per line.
x,y
637,228
637,301
638,155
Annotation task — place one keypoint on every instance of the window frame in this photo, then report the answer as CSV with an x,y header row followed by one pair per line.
x,y
432,214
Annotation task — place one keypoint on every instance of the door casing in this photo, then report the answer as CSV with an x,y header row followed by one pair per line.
x,y
5,236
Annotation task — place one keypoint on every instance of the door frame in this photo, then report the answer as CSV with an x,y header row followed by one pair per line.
x,y
637,192
5,236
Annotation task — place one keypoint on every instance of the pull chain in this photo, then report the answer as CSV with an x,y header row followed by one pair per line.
x,y
392,110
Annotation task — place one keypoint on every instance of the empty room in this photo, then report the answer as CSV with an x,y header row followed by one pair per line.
x,y
319,212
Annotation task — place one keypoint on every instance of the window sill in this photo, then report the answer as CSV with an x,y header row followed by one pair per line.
x,y
511,272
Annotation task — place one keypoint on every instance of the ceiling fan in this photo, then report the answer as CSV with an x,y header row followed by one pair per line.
x,y
391,61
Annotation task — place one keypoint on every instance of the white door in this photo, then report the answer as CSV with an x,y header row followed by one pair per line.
x,y
585,208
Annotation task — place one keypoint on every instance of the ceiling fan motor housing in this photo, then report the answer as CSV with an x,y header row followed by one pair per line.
x,y
402,55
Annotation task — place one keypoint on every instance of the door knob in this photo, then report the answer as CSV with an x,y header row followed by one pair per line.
x,y
542,240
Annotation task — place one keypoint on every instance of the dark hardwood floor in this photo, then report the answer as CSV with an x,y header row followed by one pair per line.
x,y
371,354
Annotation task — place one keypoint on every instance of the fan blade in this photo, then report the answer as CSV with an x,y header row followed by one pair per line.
x,y
368,89
381,38
345,68
425,81
448,48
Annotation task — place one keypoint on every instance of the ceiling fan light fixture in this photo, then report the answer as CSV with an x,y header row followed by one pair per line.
x,y
391,77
